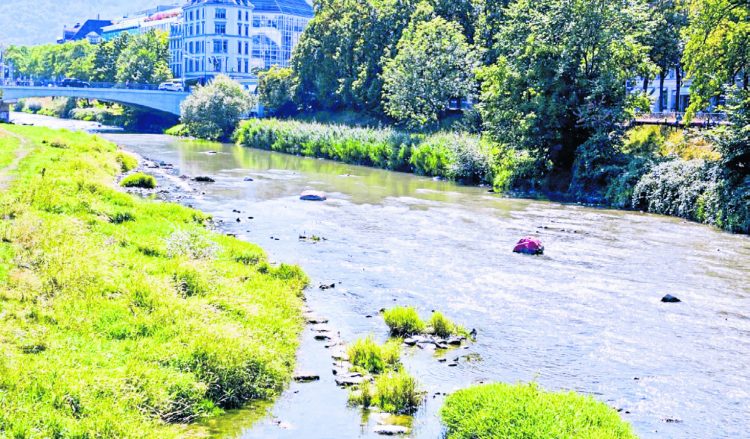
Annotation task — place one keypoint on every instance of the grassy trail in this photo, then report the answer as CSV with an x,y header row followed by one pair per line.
x,y
14,154
124,317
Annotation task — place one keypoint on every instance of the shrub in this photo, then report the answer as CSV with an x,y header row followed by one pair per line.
x,y
362,395
403,321
442,327
179,130
456,156
397,392
525,411
372,357
140,180
213,111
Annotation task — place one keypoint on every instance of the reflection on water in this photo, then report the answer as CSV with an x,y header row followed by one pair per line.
x,y
585,317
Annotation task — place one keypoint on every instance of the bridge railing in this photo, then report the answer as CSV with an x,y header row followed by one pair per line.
x,y
51,83
678,118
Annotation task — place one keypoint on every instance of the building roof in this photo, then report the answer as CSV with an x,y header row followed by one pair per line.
x,y
79,31
292,7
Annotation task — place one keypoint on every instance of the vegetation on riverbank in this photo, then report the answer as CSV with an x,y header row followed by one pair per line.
x,y
124,317
526,411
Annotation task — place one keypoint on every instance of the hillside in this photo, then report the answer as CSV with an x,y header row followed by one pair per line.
x,y
42,21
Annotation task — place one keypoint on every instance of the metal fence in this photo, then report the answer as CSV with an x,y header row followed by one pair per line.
x,y
678,118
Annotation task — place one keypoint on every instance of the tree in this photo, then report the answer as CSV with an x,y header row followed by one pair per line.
x,y
213,111
718,49
145,59
275,90
106,56
434,64
559,81
668,19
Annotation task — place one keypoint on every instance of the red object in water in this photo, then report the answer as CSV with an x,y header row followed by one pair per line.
x,y
529,246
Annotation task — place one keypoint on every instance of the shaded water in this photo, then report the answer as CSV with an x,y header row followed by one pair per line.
x,y
586,316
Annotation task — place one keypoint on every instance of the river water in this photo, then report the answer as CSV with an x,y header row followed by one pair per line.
x,y
586,316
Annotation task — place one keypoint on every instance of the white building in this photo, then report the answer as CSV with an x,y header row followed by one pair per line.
x,y
672,100
160,18
235,37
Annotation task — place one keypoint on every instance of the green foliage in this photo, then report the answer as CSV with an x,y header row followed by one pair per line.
x,y
108,330
145,59
382,148
397,392
213,111
443,327
179,130
140,180
525,411
716,48
403,321
72,59
362,396
275,90
127,161
434,63
733,141
560,74
457,156
373,358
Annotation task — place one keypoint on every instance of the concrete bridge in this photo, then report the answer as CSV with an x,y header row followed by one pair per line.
x,y
159,100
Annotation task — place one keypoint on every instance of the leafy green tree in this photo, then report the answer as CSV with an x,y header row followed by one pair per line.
x,y
717,53
105,58
145,59
489,21
434,64
275,90
213,111
668,19
559,81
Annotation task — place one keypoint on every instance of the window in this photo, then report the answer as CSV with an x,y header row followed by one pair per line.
x,y
239,29
247,30
247,47
217,46
239,47
247,65
239,15
247,16
221,28
239,65
225,46
191,16
221,13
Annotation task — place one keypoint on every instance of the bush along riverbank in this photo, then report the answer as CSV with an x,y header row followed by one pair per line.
x,y
658,170
124,317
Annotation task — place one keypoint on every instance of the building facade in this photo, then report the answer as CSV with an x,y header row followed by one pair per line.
x,y
236,38
160,18
672,99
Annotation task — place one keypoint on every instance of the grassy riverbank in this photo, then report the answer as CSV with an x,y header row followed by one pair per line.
x,y
124,317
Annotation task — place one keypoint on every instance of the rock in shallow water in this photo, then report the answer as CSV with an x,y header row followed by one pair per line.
x,y
305,377
529,246
313,196
391,430
670,299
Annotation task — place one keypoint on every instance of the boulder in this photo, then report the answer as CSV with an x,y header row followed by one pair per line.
x,y
352,379
204,179
313,196
670,299
305,377
529,246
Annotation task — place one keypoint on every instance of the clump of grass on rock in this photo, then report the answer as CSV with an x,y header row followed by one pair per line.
x,y
442,327
397,392
526,411
404,321
367,355
139,180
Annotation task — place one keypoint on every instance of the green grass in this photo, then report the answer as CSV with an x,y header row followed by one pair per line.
x,y
443,327
140,180
8,147
397,392
403,321
524,411
122,317
371,357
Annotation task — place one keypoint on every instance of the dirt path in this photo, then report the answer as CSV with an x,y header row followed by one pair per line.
x,y
22,151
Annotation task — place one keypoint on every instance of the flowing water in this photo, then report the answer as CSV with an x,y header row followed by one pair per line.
x,y
586,316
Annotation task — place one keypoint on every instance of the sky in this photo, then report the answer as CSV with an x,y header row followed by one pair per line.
x,y
31,22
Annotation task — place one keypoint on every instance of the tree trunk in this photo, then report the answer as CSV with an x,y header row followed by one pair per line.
x,y
645,84
678,78
745,80
662,74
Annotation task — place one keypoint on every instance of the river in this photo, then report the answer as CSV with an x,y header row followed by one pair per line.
x,y
586,316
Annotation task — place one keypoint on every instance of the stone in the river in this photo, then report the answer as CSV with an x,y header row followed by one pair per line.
x,y
305,377
313,318
391,430
313,196
204,179
529,246
670,299
410,341
454,340
348,380
247,179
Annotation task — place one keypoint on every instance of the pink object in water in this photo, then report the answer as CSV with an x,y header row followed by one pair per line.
x,y
529,246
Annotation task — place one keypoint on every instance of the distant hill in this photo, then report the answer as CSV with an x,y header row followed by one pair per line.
x,y
41,21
